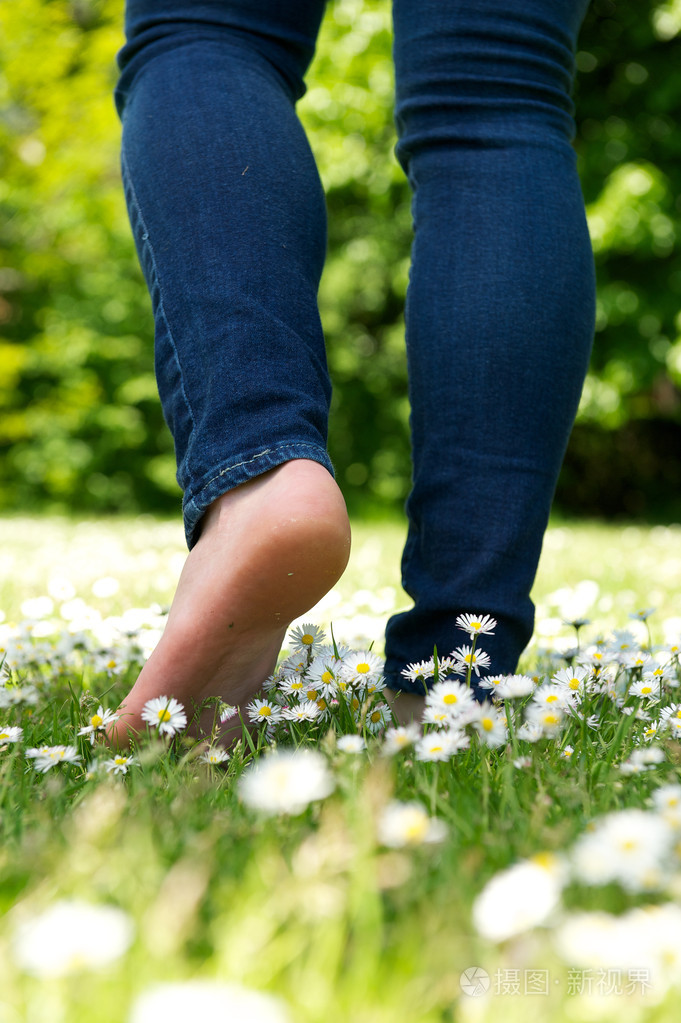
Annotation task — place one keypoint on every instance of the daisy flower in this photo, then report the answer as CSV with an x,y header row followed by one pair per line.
x,y
98,723
10,734
649,687
208,1000
286,781
572,679
530,731
71,935
396,739
301,712
490,724
46,757
566,752
642,614
514,686
476,625
119,764
263,710
351,743
322,674
165,713
377,717
305,638
466,658
214,755
419,670
519,898
292,685
408,824
549,719
441,745
491,682
359,667
227,711
626,846
551,695
450,697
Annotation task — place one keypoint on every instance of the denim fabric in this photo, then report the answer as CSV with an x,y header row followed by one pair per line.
x,y
229,220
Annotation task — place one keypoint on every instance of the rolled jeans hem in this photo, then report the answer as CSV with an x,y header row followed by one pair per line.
x,y
240,469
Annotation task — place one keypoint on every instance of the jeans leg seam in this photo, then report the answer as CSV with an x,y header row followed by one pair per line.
x,y
161,305
261,454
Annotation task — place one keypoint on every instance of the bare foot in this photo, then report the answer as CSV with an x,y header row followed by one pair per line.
x,y
406,707
268,551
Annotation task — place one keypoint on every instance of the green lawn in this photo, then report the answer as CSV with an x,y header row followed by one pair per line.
x,y
544,866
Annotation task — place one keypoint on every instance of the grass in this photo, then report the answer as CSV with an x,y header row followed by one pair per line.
x,y
313,907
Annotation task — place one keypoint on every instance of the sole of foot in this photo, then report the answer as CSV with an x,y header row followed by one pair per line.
x,y
268,551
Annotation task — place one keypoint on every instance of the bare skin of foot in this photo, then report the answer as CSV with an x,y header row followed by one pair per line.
x,y
268,551
406,707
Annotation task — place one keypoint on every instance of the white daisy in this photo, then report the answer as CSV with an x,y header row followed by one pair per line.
x,y
377,717
450,696
260,711
476,625
322,673
214,755
419,671
469,658
292,685
550,718
359,667
69,936
572,679
165,713
307,711
441,745
397,739
99,722
119,764
306,637
530,731
490,724
214,1000
519,898
10,734
514,686
286,781
46,757
646,687
566,752
550,695
351,743
408,824
626,846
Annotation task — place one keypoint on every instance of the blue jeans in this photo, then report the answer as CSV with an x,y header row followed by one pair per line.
x,y
228,215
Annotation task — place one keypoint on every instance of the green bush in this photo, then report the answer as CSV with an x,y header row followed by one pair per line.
x,y
80,422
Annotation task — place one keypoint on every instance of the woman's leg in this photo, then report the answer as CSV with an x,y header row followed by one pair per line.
x,y
500,308
229,220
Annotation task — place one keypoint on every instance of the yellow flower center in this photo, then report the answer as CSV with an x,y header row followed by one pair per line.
x,y
449,698
327,677
487,724
264,712
4,735
476,625
646,689
363,668
111,664
628,844
307,639
321,703
551,698
354,703
436,749
416,829
574,683
96,720
164,715
312,694
551,719
120,760
375,716
297,685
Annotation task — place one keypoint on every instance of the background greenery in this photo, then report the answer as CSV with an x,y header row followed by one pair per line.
x,y
80,422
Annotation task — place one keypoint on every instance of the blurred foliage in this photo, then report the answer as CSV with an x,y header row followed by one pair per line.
x,y
80,422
